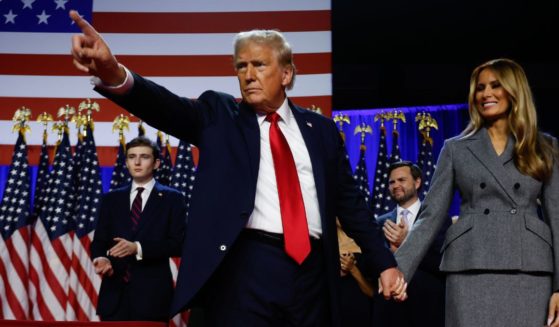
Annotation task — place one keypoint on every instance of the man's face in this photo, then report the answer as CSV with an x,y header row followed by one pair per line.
x,y
141,163
401,185
261,78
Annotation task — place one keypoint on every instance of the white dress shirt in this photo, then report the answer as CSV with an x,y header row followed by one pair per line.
x,y
266,215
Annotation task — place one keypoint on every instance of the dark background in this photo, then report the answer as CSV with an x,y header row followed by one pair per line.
x,y
421,52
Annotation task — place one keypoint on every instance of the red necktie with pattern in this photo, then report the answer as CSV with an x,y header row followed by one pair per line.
x,y
136,209
292,207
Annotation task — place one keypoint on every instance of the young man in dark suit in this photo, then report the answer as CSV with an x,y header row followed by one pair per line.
x,y
140,227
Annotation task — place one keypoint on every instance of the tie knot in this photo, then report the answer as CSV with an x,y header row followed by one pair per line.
x,y
405,213
273,117
140,190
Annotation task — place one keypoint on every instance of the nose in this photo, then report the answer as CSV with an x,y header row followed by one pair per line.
x,y
487,92
249,74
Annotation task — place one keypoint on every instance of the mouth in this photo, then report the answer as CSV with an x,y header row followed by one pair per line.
x,y
489,104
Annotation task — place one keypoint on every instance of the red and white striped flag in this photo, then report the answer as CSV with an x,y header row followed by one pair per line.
x,y
14,237
184,45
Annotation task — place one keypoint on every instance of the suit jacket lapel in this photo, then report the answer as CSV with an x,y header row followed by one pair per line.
x,y
248,124
309,133
482,149
124,210
394,215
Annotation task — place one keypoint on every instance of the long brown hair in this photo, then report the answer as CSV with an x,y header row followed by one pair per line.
x,y
533,153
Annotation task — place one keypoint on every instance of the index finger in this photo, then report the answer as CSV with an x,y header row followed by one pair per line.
x,y
83,24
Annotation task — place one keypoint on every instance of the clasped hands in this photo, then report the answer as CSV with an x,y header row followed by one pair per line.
x,y
393,285
121,249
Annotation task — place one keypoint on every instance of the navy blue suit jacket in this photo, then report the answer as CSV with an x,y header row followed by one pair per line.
x,y
228,137
160,233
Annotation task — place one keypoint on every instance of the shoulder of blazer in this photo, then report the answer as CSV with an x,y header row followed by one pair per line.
x,y
381,219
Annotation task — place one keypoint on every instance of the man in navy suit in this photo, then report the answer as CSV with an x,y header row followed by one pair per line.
x,y
265,166
426,304
140,227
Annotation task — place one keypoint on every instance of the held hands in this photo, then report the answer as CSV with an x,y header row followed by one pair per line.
x,y
393,285
122,248
347,262
553,311
395,233
92,55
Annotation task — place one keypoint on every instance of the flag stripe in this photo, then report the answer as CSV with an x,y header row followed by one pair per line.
x,y
8,279
40,310
195,65
192,87
207,5
222,22
51,278
156,44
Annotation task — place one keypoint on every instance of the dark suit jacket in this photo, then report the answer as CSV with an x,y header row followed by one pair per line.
x,y
160,233
228,137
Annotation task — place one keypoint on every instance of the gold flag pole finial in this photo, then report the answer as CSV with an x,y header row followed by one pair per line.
x,y
341,119
426,123
120,123
45,118
364,129
89,107
21,117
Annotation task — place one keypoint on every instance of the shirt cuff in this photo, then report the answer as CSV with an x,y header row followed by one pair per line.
x,y
120,89
139,255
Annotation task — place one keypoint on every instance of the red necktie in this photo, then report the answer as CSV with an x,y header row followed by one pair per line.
x,y
136,209
292,207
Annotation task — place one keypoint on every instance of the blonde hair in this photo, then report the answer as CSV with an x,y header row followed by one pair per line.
x,y
533,153
272,39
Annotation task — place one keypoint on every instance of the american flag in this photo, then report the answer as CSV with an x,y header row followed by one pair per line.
x,y
184,171
182,179
360,174
426,163
51,241
120,175
184,45
163,173
381,177
389,204
84,283
42,175
14,240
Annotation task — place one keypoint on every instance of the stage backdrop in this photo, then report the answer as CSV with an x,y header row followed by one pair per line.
x,y
451,120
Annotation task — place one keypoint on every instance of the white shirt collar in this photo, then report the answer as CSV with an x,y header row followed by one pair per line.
x,y
147,186
284,111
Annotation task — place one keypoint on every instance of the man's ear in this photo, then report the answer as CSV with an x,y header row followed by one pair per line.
x,y
157,164
287,75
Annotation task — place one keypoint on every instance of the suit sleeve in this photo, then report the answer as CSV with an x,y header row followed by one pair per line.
x,y
179,116
102,238
550,201
355,217
171,245
432,216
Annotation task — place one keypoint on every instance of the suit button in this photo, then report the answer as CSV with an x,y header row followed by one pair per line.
x,y
486,211
513,211
223,247
482,185
516,186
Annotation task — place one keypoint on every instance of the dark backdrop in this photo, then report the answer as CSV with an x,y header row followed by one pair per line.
x,y
412,53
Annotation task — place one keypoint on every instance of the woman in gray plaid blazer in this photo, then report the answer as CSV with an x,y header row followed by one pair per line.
x,y
501,257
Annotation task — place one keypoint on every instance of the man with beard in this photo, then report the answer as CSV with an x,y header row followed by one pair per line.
x,y
425,306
